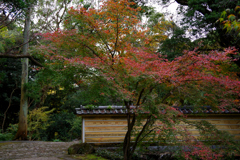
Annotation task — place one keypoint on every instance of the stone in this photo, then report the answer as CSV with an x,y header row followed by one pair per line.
x,y
82,148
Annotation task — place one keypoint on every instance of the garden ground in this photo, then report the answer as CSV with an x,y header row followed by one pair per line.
x,y
39,150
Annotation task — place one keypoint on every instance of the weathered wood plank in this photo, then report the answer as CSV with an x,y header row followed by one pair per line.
x,y
109,139
120,139
112,129
96,117
104,123
105,128
104,134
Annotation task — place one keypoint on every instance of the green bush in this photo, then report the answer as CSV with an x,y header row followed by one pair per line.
x,y
76,130
6,136
65,127
38,121
12,129
11,132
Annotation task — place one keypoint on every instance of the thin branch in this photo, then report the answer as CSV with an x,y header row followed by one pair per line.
x,y
148,133
150,91
139,98
168,94
93,51
9,105
106,44
65,9
116,37
12,20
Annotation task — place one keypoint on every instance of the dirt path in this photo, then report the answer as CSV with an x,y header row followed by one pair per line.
x,y
35,150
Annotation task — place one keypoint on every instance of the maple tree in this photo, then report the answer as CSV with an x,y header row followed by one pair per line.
x,y
112,43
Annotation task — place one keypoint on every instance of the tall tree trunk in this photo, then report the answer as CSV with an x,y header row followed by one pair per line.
x,y
127,139
22,125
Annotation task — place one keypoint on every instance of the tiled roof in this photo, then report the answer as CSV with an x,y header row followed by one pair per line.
x,y
100,110
103,110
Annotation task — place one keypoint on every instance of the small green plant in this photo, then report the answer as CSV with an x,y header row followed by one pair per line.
x,y
109,107
57,140
91,107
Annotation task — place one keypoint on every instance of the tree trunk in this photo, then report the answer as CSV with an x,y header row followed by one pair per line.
x,y
22,125
127,140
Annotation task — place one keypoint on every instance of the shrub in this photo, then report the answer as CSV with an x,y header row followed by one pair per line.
x,y
38,122
65,127
76,130
6,136
12,129
11,132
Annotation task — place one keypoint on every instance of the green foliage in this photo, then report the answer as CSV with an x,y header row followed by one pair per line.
x,y
94,91
91,107
108,154
175,45
16,4
109,107
57,140
48,80
12,128
89,157
202,17
10,133
38,122
65,127
230,21
9,38
6,136
76,127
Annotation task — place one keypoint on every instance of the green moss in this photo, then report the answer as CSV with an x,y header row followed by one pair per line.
x,y
5,143
89,157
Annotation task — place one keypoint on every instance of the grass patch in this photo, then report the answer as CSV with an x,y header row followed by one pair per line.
x,y
88,157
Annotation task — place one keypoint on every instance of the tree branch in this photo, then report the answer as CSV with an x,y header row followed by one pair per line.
x,y
139,135
116,38
21,56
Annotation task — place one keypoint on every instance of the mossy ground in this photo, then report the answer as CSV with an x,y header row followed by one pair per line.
x,y
5,143
88,157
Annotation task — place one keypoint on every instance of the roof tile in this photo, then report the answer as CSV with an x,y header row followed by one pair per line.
x,y
122,110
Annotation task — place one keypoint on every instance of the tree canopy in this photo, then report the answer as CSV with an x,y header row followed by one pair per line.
x,y
111,43
97,56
